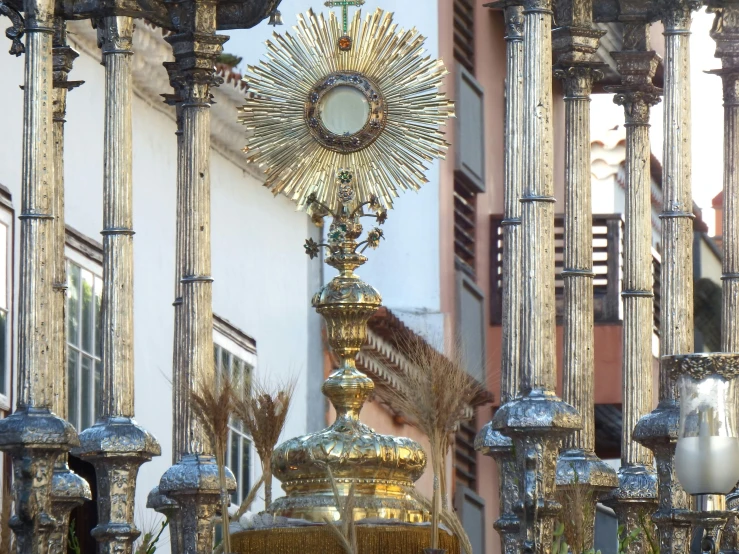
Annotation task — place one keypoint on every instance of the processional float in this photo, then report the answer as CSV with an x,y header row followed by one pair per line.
x,y
362,133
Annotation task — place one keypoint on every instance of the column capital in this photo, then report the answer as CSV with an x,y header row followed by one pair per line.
x,y
676,15
725,31
503,4
63,57
192,74
534,6
514,23
578,79
636,104
115,34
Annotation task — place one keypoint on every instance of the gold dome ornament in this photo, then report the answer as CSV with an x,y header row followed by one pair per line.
x,y
381,468
356,94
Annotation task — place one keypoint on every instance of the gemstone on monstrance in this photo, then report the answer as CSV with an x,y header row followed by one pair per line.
x,y
345,43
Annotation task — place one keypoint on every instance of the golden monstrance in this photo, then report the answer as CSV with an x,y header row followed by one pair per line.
x,y
341,115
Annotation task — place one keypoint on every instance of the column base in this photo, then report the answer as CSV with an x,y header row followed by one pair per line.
x,y
578,467
68,490
164,505
34,438
539,412
116,447
537,423
193,483
495,444
634,502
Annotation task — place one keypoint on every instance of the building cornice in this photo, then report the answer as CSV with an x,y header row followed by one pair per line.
x,y
150,81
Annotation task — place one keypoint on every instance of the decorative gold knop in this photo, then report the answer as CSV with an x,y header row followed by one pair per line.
x,y
380,467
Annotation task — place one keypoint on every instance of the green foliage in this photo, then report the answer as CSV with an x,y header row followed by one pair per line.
x,y
74,543
647,527
149,541
229,60
625,539
560,546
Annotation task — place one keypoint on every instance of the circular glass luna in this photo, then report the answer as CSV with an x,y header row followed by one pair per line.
x,y
344,110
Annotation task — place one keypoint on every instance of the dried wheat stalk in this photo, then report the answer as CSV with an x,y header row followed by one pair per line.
x,y
263,410
347,531
250,498
435,397
212,404
578,511
448,517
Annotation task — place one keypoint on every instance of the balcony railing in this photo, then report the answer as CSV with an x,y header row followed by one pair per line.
x,y
608,234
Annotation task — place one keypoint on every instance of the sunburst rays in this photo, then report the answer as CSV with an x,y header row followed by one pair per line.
x,y
280,142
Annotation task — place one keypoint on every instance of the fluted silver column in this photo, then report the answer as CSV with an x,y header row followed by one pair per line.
x,y
67,489
156,500
489,441
193,482
658,430
636,498
538,420
33,435
726,34
116,445
575,44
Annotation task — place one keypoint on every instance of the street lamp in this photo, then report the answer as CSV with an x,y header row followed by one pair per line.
x,y
707,451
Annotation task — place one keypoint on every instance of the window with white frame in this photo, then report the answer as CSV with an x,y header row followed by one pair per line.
x,y
235,356
84,337
6,298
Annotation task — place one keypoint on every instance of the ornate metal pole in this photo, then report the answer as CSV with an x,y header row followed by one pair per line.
x,y
538,420
575,45
33,435
193,481
658,430
116,445
67,489
726,34
636,498
489,441
158,501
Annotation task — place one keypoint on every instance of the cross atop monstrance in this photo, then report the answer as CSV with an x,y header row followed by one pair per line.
x,y
344,5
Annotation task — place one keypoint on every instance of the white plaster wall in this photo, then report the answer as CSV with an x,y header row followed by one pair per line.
x,y
406,267
260,269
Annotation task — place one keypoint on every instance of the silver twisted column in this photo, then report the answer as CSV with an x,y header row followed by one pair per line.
x,y
489,441
537,421
658,430
636,498
116,445
726,34
575,45
193,481
33,435
68,490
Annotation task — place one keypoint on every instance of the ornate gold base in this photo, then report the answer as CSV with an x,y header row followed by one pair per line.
x,y
372,539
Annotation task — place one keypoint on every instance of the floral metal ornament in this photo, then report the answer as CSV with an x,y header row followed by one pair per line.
x,y
372,111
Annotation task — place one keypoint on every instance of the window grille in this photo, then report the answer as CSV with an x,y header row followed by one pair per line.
x,y
465,213
464,34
